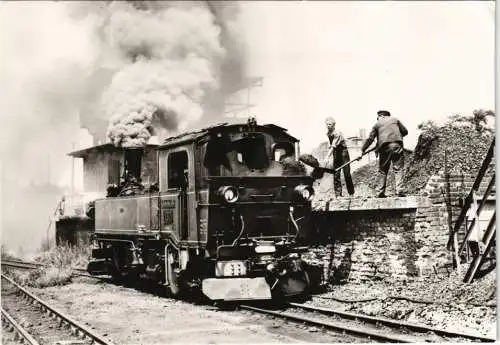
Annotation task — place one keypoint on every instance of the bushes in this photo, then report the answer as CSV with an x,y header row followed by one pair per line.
x,y
57,266
465,139
46,276
64,255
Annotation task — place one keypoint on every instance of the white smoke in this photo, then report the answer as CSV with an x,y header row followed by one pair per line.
x,y
46,57
166,55
140,67
174,50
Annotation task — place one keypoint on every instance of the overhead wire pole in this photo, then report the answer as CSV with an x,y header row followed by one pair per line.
x,y
242,106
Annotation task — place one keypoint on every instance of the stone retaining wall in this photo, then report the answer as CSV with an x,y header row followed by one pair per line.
x,y
392,238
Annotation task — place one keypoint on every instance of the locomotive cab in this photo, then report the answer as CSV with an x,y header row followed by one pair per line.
x,y
231,217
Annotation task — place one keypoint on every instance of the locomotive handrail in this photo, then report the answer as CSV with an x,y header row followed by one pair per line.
x,y
270,195
290,213
241,231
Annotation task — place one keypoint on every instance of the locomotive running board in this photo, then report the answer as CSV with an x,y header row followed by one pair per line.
x,y
236,289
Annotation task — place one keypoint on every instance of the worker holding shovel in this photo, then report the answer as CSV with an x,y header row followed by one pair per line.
x,y
339,154
389,132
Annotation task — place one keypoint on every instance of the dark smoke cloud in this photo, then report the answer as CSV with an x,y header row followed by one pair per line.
x,y
166,65
177,59
170,53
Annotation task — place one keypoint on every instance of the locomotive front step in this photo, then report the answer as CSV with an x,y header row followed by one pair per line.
x,y
236,289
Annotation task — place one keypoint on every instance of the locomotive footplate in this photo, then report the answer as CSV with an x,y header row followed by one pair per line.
x,y
236,289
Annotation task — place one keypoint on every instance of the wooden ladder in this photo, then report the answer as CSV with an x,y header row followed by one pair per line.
x,y
484,241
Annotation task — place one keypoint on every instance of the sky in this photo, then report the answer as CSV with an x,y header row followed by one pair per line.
x,y
420,60
347,59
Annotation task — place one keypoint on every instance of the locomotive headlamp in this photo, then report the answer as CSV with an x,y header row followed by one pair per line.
x,y
229,193
306,192
271,267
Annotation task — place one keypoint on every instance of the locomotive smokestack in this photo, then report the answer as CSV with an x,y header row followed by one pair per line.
x,y
133,160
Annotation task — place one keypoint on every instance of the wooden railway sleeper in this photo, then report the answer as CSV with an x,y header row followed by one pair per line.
x,y
73,325
21,333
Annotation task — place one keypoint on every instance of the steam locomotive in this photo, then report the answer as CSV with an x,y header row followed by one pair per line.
x,y
230,216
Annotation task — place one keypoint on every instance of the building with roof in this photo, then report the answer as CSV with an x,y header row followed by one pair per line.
x,y
104,164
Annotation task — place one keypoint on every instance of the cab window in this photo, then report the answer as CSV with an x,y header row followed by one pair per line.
x,y
178,170
282,150
251,151
216,154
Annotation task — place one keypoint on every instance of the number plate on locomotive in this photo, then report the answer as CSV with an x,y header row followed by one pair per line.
x,y
234,268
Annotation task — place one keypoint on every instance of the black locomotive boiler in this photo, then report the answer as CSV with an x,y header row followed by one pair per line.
x,y
229,215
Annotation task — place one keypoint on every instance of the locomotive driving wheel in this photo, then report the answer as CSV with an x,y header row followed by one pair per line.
x,y
173,280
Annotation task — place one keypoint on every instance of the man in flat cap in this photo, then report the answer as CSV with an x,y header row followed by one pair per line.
x,y
340,155
389,132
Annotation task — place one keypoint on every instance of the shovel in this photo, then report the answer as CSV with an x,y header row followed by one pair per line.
x,y
318,172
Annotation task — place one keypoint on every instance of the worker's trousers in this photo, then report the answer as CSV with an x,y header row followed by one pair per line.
x,y
391,153
342,157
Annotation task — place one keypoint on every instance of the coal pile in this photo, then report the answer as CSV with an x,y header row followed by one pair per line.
x,y
292,167
463,145
308,159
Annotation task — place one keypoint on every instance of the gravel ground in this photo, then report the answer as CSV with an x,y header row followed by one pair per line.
x,y
441,302
129,316
37,323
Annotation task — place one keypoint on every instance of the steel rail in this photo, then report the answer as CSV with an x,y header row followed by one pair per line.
x,y
20,331
34,265
325,311
63,317
20,264
390,323
19,261
335,326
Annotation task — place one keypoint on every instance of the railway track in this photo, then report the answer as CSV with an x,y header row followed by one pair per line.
x,y
363,326
19,333
366,327
33,265
394,324
35,321
20,264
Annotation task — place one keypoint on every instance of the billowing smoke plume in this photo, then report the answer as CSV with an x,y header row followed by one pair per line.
x,y
139,67
171,60
172,53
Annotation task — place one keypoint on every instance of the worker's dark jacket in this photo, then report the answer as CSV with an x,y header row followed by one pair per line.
x,y
387,130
